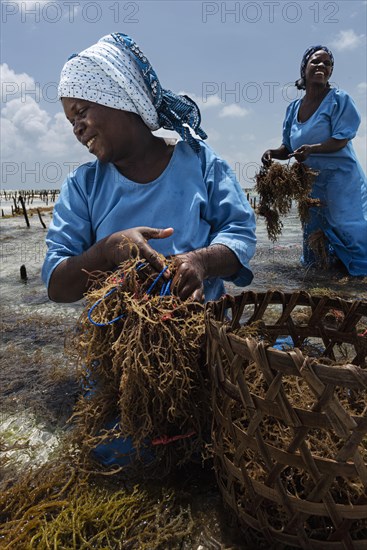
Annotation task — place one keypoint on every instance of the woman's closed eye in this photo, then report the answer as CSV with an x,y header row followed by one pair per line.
x,y
79,114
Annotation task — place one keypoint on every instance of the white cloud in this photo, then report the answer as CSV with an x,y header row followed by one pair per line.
x,y
233,110
204,103
31,137
58,140
26,117
347,40
211,101
362,87
12,84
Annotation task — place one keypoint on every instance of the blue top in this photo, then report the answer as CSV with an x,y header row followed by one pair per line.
x,y
341,184
198,196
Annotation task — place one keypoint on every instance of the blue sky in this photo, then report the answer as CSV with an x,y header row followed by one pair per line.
x,y
238,60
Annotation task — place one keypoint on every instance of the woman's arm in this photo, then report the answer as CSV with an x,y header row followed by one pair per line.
x,y
331,145
231,241
70,279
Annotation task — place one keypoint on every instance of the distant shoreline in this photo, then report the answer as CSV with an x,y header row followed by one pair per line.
x,y
11,202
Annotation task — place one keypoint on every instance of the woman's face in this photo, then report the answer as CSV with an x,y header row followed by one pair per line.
x,y
108,133
318,68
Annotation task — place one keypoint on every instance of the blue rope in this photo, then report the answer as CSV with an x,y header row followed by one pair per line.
x,y
165,291
156,280
96,304
166,288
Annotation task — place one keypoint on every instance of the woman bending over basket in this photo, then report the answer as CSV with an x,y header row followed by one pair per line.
x,y
317,130
177,199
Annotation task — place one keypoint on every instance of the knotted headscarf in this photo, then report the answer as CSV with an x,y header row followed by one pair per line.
x,y
114,72
301,82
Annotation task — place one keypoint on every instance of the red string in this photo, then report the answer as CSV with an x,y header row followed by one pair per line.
x,y
164,439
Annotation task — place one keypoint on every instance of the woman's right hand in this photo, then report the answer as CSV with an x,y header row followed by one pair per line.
x,y
121,245
266,159
71,277
281,153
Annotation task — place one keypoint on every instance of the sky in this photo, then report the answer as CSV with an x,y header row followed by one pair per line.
x,y
238,60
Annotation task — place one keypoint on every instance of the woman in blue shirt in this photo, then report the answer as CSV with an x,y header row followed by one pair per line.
x,y
177,200
318,130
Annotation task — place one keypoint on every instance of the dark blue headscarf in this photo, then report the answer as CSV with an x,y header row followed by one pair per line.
x,y
301,82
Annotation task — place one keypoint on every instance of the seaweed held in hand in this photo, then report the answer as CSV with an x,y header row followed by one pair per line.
x,y
141,358
279,184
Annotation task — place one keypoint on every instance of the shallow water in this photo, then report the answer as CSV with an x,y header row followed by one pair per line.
x,y
37,379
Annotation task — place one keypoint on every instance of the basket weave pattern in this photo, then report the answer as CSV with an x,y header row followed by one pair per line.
x,y
293,471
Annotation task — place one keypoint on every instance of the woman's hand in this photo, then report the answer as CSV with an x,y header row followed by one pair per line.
x,y
121,245
331,145
192,268
281,153
70,279
302,153
266,158
188,282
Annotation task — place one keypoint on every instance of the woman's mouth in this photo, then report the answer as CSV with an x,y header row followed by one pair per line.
x,y
90,142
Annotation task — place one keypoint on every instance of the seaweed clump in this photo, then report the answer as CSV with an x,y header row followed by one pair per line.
x,y
279,184
141,361
60,506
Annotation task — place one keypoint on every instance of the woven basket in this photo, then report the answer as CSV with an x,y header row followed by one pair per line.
x,y
290,425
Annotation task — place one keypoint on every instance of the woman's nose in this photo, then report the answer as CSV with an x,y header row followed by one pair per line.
x,y
79,128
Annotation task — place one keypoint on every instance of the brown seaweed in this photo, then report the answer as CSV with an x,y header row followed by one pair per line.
x,y
145,367
279,184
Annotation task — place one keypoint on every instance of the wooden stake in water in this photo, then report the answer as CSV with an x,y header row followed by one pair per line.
x,y
23,273
21,200
41,220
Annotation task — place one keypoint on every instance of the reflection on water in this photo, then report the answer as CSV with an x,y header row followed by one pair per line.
x,y
37,380
27,441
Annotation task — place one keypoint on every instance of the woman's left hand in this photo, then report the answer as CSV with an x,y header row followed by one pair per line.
x,y
302,153
192,268
188,282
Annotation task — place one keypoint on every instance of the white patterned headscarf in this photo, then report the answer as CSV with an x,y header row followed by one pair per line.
x,y
115,73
